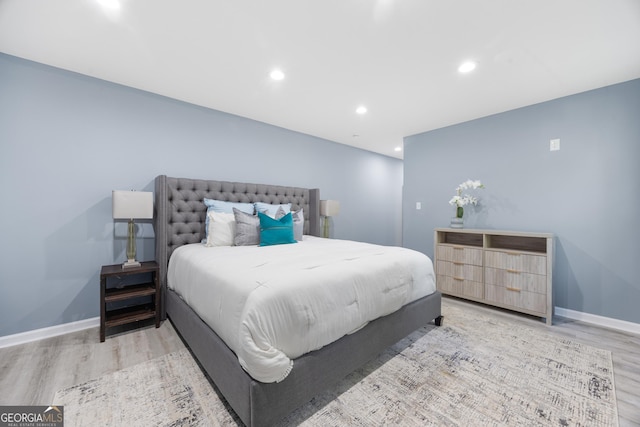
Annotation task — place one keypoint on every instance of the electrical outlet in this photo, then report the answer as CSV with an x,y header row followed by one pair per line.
x,y
554,145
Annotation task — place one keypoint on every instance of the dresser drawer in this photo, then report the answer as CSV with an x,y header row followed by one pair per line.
x,y
460,287
463,254
516,261
515,279
531,301
459,270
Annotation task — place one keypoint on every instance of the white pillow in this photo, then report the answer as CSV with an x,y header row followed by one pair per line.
x,y
223,207
222,229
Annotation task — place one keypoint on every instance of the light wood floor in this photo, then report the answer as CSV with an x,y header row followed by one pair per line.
x,y
31,373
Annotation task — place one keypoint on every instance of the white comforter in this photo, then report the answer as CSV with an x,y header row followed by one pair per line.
x,y
272,304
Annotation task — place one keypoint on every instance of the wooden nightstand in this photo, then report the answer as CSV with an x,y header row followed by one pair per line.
x,y
132,313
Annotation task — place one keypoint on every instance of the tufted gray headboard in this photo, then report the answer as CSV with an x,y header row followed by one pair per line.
x,y
180,212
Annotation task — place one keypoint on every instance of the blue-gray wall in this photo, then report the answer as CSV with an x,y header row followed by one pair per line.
x,y
587,194
67,140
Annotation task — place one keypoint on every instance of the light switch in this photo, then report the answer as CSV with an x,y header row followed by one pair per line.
x,y
418,205
554,145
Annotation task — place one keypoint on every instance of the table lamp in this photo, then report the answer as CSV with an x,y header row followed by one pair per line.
x,y
132,205
328,208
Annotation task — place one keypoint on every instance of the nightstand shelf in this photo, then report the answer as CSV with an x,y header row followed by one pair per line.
x,y
126,315
130,291
111,316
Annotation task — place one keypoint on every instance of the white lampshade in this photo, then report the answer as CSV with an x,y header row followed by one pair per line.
x,y
132,204
329,207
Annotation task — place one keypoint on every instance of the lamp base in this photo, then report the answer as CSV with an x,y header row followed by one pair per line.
x,y
131,263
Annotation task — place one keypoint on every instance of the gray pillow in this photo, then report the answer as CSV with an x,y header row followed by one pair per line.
x,y
298,224
247,229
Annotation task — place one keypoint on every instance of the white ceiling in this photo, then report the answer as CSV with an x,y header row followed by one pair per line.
x,y
399,58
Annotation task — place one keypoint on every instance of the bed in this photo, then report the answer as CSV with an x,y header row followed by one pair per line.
x,y
180,220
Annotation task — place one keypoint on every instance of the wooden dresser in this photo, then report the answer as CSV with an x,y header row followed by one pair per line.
x,y
507,269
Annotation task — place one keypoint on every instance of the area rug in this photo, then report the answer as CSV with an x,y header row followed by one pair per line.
x,y
476,370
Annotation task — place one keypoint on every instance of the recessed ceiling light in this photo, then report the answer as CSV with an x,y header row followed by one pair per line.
x,y
397,149
467,66
277,75
110,4
361,109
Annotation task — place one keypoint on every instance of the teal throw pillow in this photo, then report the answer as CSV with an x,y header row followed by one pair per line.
x,y
276,231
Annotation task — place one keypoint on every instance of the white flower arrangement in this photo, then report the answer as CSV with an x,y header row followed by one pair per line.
x,y
460,200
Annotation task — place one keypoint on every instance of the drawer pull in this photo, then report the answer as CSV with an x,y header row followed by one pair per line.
x,y
514,289
458,278
458,263
510,270
513,253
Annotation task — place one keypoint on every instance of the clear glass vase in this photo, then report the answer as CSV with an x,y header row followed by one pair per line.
x,y
457,221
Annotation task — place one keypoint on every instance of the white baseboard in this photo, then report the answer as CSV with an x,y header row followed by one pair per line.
x,y
65,328
606,322
52,331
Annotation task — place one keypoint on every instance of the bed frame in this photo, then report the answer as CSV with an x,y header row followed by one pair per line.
x,y
179,219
